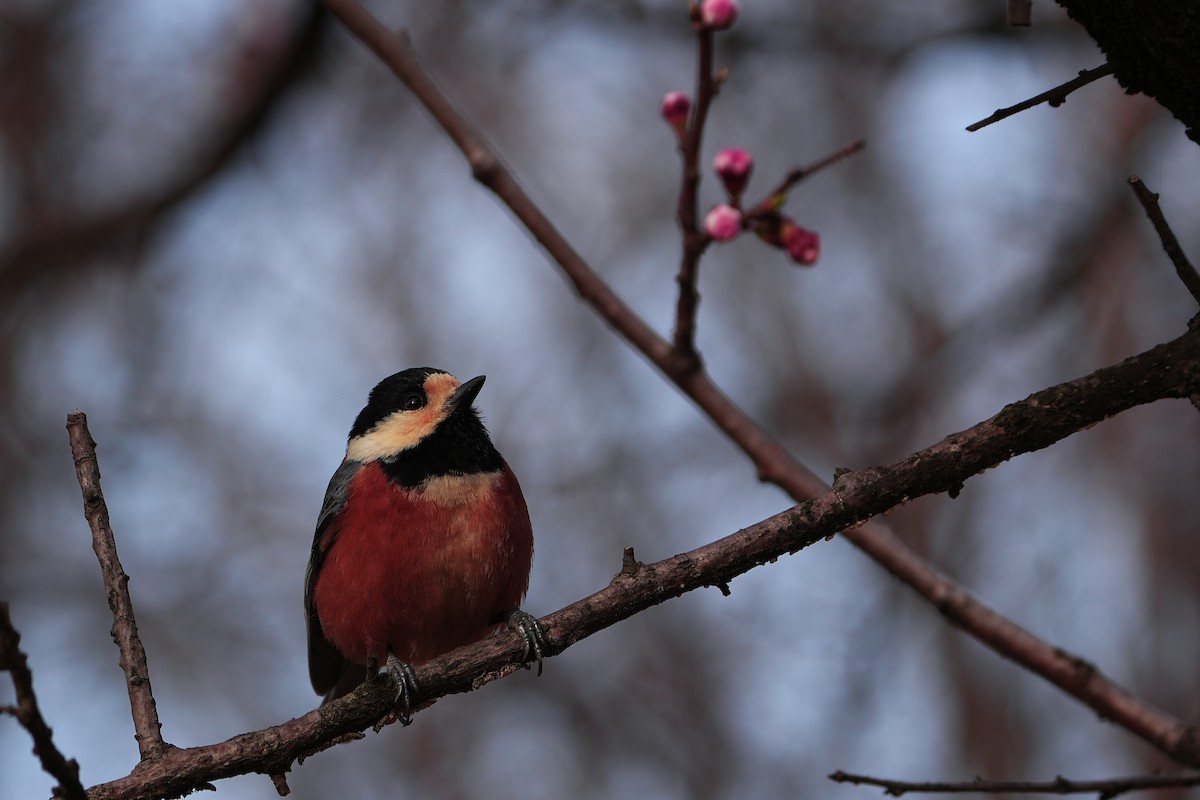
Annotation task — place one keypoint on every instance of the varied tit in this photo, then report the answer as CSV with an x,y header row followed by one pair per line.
x,y
423,543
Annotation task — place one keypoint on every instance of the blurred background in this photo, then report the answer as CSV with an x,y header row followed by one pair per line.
x,y
223,221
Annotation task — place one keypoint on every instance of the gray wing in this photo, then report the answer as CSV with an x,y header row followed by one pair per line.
x,y
325,664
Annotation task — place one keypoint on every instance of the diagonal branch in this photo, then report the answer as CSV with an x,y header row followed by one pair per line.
x,y
1183,267
116,585
1170,370
1055,97
776,197
773,462
26,711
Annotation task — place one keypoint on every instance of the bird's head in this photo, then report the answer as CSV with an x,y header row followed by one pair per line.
x,y
419,413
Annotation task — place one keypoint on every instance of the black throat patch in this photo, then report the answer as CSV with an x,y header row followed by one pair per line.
x,y
459,446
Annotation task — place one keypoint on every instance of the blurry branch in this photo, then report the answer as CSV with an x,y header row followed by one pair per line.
x,y
116,586
1183,267
1020,13
26,712
48,243
1104,789
772,460
1055,97
1168,370
776,196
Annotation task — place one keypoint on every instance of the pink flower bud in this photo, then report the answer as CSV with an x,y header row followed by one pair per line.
x,y
718,14
734,165
675,109
723,223
802,245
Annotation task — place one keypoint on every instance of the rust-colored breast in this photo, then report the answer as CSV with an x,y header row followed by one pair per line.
x,y
416,573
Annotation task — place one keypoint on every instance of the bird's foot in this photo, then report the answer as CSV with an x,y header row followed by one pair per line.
x,y
535,637
407,693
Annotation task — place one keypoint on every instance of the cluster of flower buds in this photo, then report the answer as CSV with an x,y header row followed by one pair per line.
x,y
733,166
726,220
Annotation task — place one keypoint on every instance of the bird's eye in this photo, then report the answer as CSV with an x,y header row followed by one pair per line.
x,y
412,402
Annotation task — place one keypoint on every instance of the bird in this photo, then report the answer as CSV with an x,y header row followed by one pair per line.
x,y
423,542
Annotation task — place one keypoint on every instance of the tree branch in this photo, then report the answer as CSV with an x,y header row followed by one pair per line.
x,y
1183,267
773,462
1154,47
1105,789
26,712
687,214
116,585
1170,370
776,196
1055,97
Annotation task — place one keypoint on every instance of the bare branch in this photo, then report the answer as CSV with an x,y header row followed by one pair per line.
x,y
773,462
116,585
26,711
1105,789
1055,97
1183,267
1169,370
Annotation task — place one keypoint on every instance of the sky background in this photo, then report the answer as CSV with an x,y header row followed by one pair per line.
x,y
221,223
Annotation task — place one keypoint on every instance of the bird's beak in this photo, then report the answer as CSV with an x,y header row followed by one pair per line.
x,y
465,394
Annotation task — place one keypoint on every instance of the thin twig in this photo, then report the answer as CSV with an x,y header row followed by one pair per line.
x,y
1183,267
773,462
1105,789
281,785
116,584
1039,421
695,241
1055,97
26,711
776,197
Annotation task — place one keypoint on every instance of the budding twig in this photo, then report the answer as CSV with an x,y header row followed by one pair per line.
x,y
26,712
116,585
1105,789
694,240
776,196
1183,267
1055,97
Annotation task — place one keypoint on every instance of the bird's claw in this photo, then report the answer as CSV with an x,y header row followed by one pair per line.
x,y
407,693
535,637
